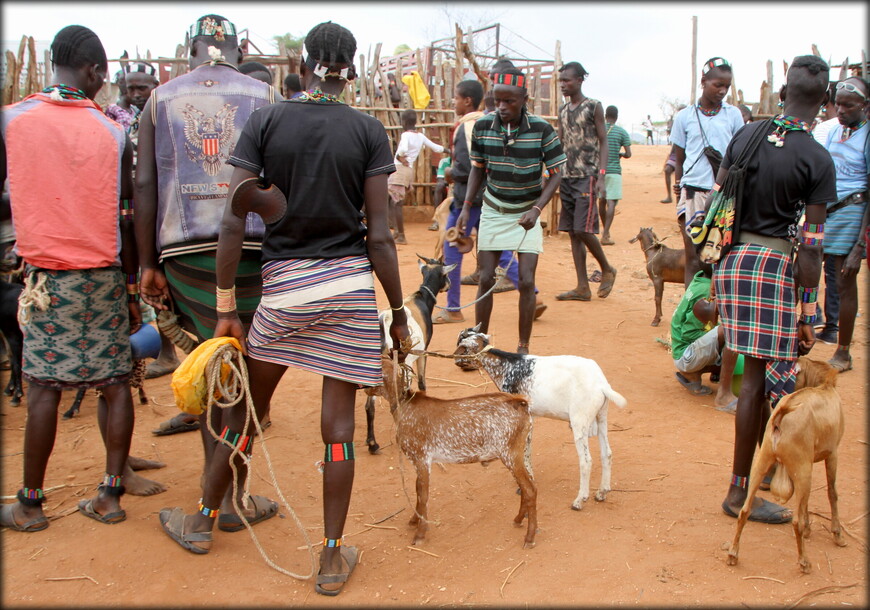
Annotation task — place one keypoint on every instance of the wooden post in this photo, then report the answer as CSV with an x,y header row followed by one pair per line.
x,y
863,64
844,70
694,58
458,69
770,74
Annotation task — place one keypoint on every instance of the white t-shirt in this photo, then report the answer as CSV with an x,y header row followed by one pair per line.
x,y
820,133
410,145
647,124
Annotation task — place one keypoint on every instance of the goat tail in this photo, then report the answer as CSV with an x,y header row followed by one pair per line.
x,y
615,397
780,485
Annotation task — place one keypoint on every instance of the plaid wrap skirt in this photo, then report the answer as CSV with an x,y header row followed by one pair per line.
x,y
756,299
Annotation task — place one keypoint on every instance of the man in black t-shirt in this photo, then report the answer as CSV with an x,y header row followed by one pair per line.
x,y
318,311
755,283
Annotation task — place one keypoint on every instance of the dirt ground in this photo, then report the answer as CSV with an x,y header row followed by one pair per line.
x,y
659,539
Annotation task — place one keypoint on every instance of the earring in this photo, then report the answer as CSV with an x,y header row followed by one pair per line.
x,y
780,104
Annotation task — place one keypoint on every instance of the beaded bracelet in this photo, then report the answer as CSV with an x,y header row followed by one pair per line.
x,y
601,172
809,295
399,308
226,299
807,319
127,209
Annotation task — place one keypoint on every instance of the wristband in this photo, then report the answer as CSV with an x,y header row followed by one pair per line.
x,y
466,202
809,295
540,210
601,172
226,299
126,209
399,308
807,319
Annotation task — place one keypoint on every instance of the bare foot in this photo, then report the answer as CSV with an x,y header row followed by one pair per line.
x,y
725,400
137,485
138,463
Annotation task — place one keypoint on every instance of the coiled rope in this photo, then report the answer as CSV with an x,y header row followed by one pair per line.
x,y
232,392
35,295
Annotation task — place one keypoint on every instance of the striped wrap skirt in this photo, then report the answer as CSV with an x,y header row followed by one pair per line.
x,y
755,291
319,315
843,229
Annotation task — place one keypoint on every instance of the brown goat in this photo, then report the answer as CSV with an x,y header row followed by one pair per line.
x,y
806,427
663,264
480,428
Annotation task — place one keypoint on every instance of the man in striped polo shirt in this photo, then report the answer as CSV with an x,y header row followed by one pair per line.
x,y
512,147
617,139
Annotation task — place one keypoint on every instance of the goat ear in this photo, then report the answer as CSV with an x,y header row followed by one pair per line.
x,y
423,258
421,264
633,239
448,269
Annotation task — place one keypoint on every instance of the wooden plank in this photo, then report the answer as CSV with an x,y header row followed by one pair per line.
x,y
844,70
694,58
10,83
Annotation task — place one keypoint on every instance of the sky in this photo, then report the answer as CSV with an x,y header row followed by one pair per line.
x,y
637,54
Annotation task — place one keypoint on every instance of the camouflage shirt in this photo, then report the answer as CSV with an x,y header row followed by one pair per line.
x,y
580,139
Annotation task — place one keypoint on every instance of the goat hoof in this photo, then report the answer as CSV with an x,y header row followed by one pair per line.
x,y
806,568
655,323
374,448
600,495
839,540
418,540
577,506
15,402
529,544
732,558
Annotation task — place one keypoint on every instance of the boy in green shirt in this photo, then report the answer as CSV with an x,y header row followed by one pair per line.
x,y
698,344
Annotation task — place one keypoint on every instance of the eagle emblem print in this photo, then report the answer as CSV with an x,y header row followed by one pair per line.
x,y
208,139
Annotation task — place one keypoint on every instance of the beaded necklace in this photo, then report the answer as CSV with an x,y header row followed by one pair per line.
x,y
783,124
848,132
318,96
66,92
712,112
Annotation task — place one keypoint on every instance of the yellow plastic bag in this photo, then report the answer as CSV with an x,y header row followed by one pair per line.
x,y
417,90
189,381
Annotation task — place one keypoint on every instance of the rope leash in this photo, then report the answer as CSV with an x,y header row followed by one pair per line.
x,y
35,295
232,393
500,273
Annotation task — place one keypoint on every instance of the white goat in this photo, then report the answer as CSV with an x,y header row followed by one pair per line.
x,y
569,388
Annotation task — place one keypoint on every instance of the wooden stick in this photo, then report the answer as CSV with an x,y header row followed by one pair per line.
x,y
664,476
763,578
381,527
501,589
41,549
831,589
707,463
413,548
390,516
82,577
830,567
856,518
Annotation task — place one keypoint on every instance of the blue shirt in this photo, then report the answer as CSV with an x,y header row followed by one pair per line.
x,y
850,163
686,133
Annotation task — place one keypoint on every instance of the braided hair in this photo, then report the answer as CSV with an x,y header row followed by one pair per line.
x,y
76,46
813,83
576,67
330,43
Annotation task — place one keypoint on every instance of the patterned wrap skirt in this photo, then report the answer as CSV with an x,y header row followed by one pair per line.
x,y
82,340
500,231
755,292
320,315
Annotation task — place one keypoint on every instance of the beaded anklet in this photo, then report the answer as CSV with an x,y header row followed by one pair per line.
x,y
331,543
112,485
31,496
236,439
739,481
208,512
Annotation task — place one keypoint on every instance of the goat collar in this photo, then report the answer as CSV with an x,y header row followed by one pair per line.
x,y
431,294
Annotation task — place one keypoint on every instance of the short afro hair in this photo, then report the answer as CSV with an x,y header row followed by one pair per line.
x,y
76,46
472,89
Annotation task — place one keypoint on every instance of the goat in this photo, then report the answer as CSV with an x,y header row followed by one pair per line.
x,y
418,309
137,379
9,328
568,388
663,264
478,428
806,427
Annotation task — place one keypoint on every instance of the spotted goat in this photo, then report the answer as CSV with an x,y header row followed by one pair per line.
x,y
482,428
569,388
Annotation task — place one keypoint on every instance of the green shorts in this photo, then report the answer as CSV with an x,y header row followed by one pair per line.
x,y
613,186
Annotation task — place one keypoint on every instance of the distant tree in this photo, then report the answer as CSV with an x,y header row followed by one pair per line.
x,y
402,48
290,41
670,106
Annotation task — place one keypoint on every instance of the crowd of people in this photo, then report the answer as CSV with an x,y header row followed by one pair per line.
x,y
298,290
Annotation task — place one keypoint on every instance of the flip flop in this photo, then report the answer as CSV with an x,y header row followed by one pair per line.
x,y
350,555
7,519
695,387
155,370
172,522
264,508
174,426
768,512
595,277
731,407
86,507
841,366
540,308
607,284
573,295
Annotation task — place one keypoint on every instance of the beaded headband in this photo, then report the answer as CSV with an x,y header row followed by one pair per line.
x,y
714,63
322,71
138,66
514,80
209,27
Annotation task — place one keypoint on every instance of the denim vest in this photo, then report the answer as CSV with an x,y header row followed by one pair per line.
x,y
198,118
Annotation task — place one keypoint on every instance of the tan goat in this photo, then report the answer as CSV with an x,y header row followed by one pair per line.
x,y
806,427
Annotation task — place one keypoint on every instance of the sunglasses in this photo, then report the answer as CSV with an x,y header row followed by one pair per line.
x,y
851,88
